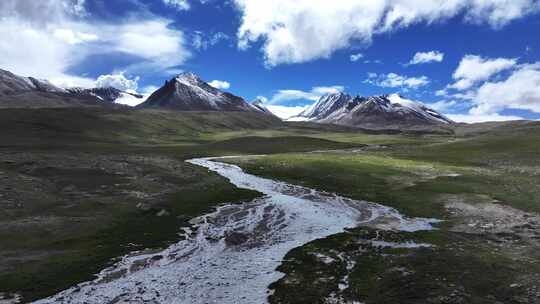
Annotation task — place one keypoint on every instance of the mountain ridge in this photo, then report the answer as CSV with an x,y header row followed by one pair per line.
x,y
188,92
28,92
384,110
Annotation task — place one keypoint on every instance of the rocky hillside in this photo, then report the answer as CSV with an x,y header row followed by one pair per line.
x,y
373,111
28,92
188,92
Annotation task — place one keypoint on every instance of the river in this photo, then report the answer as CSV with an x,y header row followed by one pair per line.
x,y
230,255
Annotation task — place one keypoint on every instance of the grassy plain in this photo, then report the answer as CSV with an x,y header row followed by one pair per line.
x,y
484,182
82,186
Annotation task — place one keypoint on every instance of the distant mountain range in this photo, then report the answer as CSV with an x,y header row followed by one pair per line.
x,y
28,92
188,92
373,111
185,92
107,94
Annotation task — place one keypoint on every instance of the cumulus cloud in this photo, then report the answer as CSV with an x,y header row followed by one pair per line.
x,y
473,69
29,46
304,30
118,81
181,5
356,57
46,38
491,86
521,90
314,94
393,80
42,12
141,38
427,57
220,84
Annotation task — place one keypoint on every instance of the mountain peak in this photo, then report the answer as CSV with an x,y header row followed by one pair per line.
x,y
188,92
188,78
341,108
326,105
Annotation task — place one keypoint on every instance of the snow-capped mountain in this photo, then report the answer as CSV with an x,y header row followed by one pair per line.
x,y
188,92
326,106
13,84
343,109
108,94
18,91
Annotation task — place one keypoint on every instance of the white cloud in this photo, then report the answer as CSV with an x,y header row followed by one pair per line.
x,y
393,80
314,94
118,81
41,13
491,91
473,69
327,90
220,84
426,57
141,38
521,90
285,112
443,105
470,118
376,61
441,93
201,41
71,37
181,5
304,30
46,38
356,57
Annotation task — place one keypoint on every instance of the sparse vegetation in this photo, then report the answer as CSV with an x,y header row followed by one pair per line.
x,y
484,185
83,186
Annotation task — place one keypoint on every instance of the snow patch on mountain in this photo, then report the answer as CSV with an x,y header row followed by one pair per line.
x,y
341,108
188,92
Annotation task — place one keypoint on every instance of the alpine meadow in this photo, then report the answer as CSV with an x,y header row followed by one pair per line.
x,y
283,152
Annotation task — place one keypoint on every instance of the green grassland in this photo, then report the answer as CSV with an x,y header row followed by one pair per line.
x,y
80,187
480,166
455,269
83,186
413,175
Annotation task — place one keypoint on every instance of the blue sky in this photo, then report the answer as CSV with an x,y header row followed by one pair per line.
x,y
475,60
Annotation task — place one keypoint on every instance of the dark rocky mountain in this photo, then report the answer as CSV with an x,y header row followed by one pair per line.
x,y
11,84
188,92
28,92
374,111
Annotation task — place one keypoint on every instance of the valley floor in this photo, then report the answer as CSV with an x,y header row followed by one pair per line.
x,y
485,188
74,200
